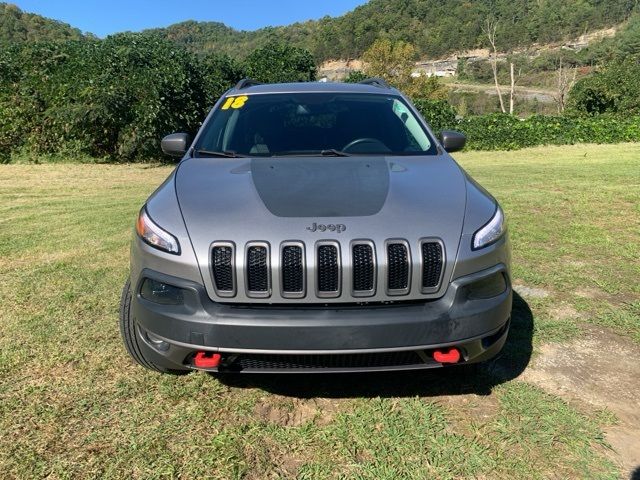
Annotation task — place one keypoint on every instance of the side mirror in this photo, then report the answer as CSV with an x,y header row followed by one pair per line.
x,y
176,144
452,141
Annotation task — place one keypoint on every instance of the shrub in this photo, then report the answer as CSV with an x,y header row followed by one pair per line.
x,y
355,76
505,132
613,89
438,113
117,97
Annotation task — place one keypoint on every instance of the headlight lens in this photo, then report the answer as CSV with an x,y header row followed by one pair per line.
x,y
491,232
155,236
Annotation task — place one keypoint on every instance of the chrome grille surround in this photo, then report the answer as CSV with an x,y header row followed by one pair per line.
x,y
390,274
252,270
423,267
354,269
284,270
320,246
218,263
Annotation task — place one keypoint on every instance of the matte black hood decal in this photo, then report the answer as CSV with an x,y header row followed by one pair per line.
x,y
321,187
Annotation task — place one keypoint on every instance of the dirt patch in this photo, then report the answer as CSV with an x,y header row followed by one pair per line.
x,y
273,460
596,294
602,370
579,264
530,292
480,409
563,312
298,411
592,293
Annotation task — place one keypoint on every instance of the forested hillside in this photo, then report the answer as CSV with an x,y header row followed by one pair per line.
x,y
434,27
17,26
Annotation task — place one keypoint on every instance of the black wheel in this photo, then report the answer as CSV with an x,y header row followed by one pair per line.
x,y
130,337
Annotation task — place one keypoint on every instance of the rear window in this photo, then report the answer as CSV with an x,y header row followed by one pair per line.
x,y
311,123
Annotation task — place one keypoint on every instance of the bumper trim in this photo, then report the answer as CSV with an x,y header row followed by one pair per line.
x,y
200,324
328,352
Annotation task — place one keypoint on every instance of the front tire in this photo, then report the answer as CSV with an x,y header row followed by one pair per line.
x,y
130,336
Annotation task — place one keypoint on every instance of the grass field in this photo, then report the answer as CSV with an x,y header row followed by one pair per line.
x,y
72,405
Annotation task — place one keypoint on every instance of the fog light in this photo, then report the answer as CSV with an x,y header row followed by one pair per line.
x,y
157,342
488,287
162,293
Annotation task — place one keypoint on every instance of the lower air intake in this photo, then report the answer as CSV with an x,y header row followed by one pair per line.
x,y
325,362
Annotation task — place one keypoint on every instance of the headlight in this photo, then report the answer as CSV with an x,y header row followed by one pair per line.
x,y
155,236
491,232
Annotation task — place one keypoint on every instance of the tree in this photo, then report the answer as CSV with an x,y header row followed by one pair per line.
x,y
280,62
565,80
394,62
111,98
612,89
490,28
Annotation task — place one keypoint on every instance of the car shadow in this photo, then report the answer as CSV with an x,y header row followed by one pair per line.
x,y
507,365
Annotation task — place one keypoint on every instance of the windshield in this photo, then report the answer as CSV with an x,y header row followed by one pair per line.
x,y
336,124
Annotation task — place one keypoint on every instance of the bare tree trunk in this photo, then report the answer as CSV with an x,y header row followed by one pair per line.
x,y
513,88
490,30
564,85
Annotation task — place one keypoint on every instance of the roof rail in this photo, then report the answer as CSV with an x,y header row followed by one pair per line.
x,y
246,82
376,82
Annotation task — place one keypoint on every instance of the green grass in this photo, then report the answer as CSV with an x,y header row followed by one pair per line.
x,y
72,405
574,219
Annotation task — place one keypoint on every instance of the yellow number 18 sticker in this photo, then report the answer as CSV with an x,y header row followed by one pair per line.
x,y
235,102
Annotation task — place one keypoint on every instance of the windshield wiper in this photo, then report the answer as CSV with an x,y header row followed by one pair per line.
x,y
226,153
332,152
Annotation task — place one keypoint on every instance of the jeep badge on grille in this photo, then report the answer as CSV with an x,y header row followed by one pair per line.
x,y
319,227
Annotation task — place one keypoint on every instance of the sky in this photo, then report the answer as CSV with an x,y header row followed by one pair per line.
x,y
103,17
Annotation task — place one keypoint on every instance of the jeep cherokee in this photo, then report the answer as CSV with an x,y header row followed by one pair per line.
x,y
316,227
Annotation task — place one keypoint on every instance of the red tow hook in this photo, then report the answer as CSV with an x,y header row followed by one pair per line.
x,y
207,360
450,355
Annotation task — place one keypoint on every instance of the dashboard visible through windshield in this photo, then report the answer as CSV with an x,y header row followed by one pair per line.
x,y
314,124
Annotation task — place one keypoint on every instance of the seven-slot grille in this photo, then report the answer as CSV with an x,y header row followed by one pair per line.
x,y
360,275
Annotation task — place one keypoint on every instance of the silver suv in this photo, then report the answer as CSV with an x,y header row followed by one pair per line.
x,y
316,227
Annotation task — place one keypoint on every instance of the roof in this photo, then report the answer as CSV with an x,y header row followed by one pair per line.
x,y
316,87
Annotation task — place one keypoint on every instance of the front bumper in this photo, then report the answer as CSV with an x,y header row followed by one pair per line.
x,y
328,338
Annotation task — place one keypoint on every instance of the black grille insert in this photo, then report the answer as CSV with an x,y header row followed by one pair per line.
x,y
222,266
431,264
328,269
398,266
363,268
292,269
337,361
257,269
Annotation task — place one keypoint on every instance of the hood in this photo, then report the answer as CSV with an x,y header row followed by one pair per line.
x,y
277,199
